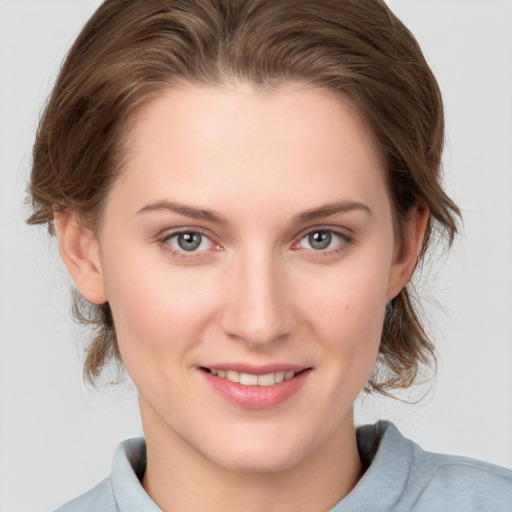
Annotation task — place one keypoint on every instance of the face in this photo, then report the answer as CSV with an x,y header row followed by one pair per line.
x,y
247,253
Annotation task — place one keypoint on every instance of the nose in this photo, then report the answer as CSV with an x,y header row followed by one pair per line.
x,y
257,309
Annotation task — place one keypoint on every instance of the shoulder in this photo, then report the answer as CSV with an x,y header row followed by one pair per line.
x,y
122,491
472,484
423,481
401,477
100,499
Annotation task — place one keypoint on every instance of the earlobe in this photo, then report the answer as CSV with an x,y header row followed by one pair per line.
x,y
79,251
406,256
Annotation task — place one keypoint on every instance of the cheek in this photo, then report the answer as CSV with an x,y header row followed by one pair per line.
x,y
346,313
352,299
156,306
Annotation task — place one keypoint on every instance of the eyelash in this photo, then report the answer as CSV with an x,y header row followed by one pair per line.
x,y
344,240
182,253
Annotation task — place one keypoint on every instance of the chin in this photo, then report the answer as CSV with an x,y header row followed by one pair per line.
x,y
252,461
260,452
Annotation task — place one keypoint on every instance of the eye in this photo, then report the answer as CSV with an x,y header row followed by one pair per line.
x,y
189,241
323,240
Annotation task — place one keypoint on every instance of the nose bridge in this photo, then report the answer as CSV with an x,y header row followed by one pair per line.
x,y
258,308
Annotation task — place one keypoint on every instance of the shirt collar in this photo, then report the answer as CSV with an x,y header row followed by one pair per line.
x,y
385,455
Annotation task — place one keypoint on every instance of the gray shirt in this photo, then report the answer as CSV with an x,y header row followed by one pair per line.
x,y
399,477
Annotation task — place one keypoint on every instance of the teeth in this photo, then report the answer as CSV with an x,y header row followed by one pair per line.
x,y
233,376
267,380
248,379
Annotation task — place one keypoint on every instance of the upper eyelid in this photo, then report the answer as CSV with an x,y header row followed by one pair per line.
x,y
346,239
344,232
168,235
180,254
165,234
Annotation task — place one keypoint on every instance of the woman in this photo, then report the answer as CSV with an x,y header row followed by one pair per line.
x,y
241,192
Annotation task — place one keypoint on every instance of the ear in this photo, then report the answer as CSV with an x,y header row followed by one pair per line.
x,y
79,250
406,255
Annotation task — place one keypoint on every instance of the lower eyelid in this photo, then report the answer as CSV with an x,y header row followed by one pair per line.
x,y
179,253
344,239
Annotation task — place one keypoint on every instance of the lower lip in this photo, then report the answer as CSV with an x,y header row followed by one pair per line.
x,y
257,397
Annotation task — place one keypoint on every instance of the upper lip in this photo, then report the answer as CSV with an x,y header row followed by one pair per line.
x,y
253,369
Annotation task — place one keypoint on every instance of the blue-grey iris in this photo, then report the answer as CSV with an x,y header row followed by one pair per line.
x,y
189,241
320,239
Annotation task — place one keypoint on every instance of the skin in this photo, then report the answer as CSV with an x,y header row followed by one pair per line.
x,y
256,291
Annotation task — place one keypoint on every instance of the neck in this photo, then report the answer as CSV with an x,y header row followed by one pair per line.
x,y
179,478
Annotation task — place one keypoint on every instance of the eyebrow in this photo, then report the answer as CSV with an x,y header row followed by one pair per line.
x,y
211,216
187,211
331,209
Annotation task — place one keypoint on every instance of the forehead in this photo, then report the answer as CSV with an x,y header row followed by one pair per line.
x,y
303,109
238,141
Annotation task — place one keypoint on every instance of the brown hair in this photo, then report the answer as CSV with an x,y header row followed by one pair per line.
x,y
130,50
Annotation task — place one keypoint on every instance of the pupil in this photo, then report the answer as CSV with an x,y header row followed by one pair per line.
x,y
320,239
189,241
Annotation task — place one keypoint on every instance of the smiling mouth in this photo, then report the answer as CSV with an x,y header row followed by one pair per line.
x,y
248,379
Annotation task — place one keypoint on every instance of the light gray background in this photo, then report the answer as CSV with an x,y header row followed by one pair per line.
x,y
57,437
